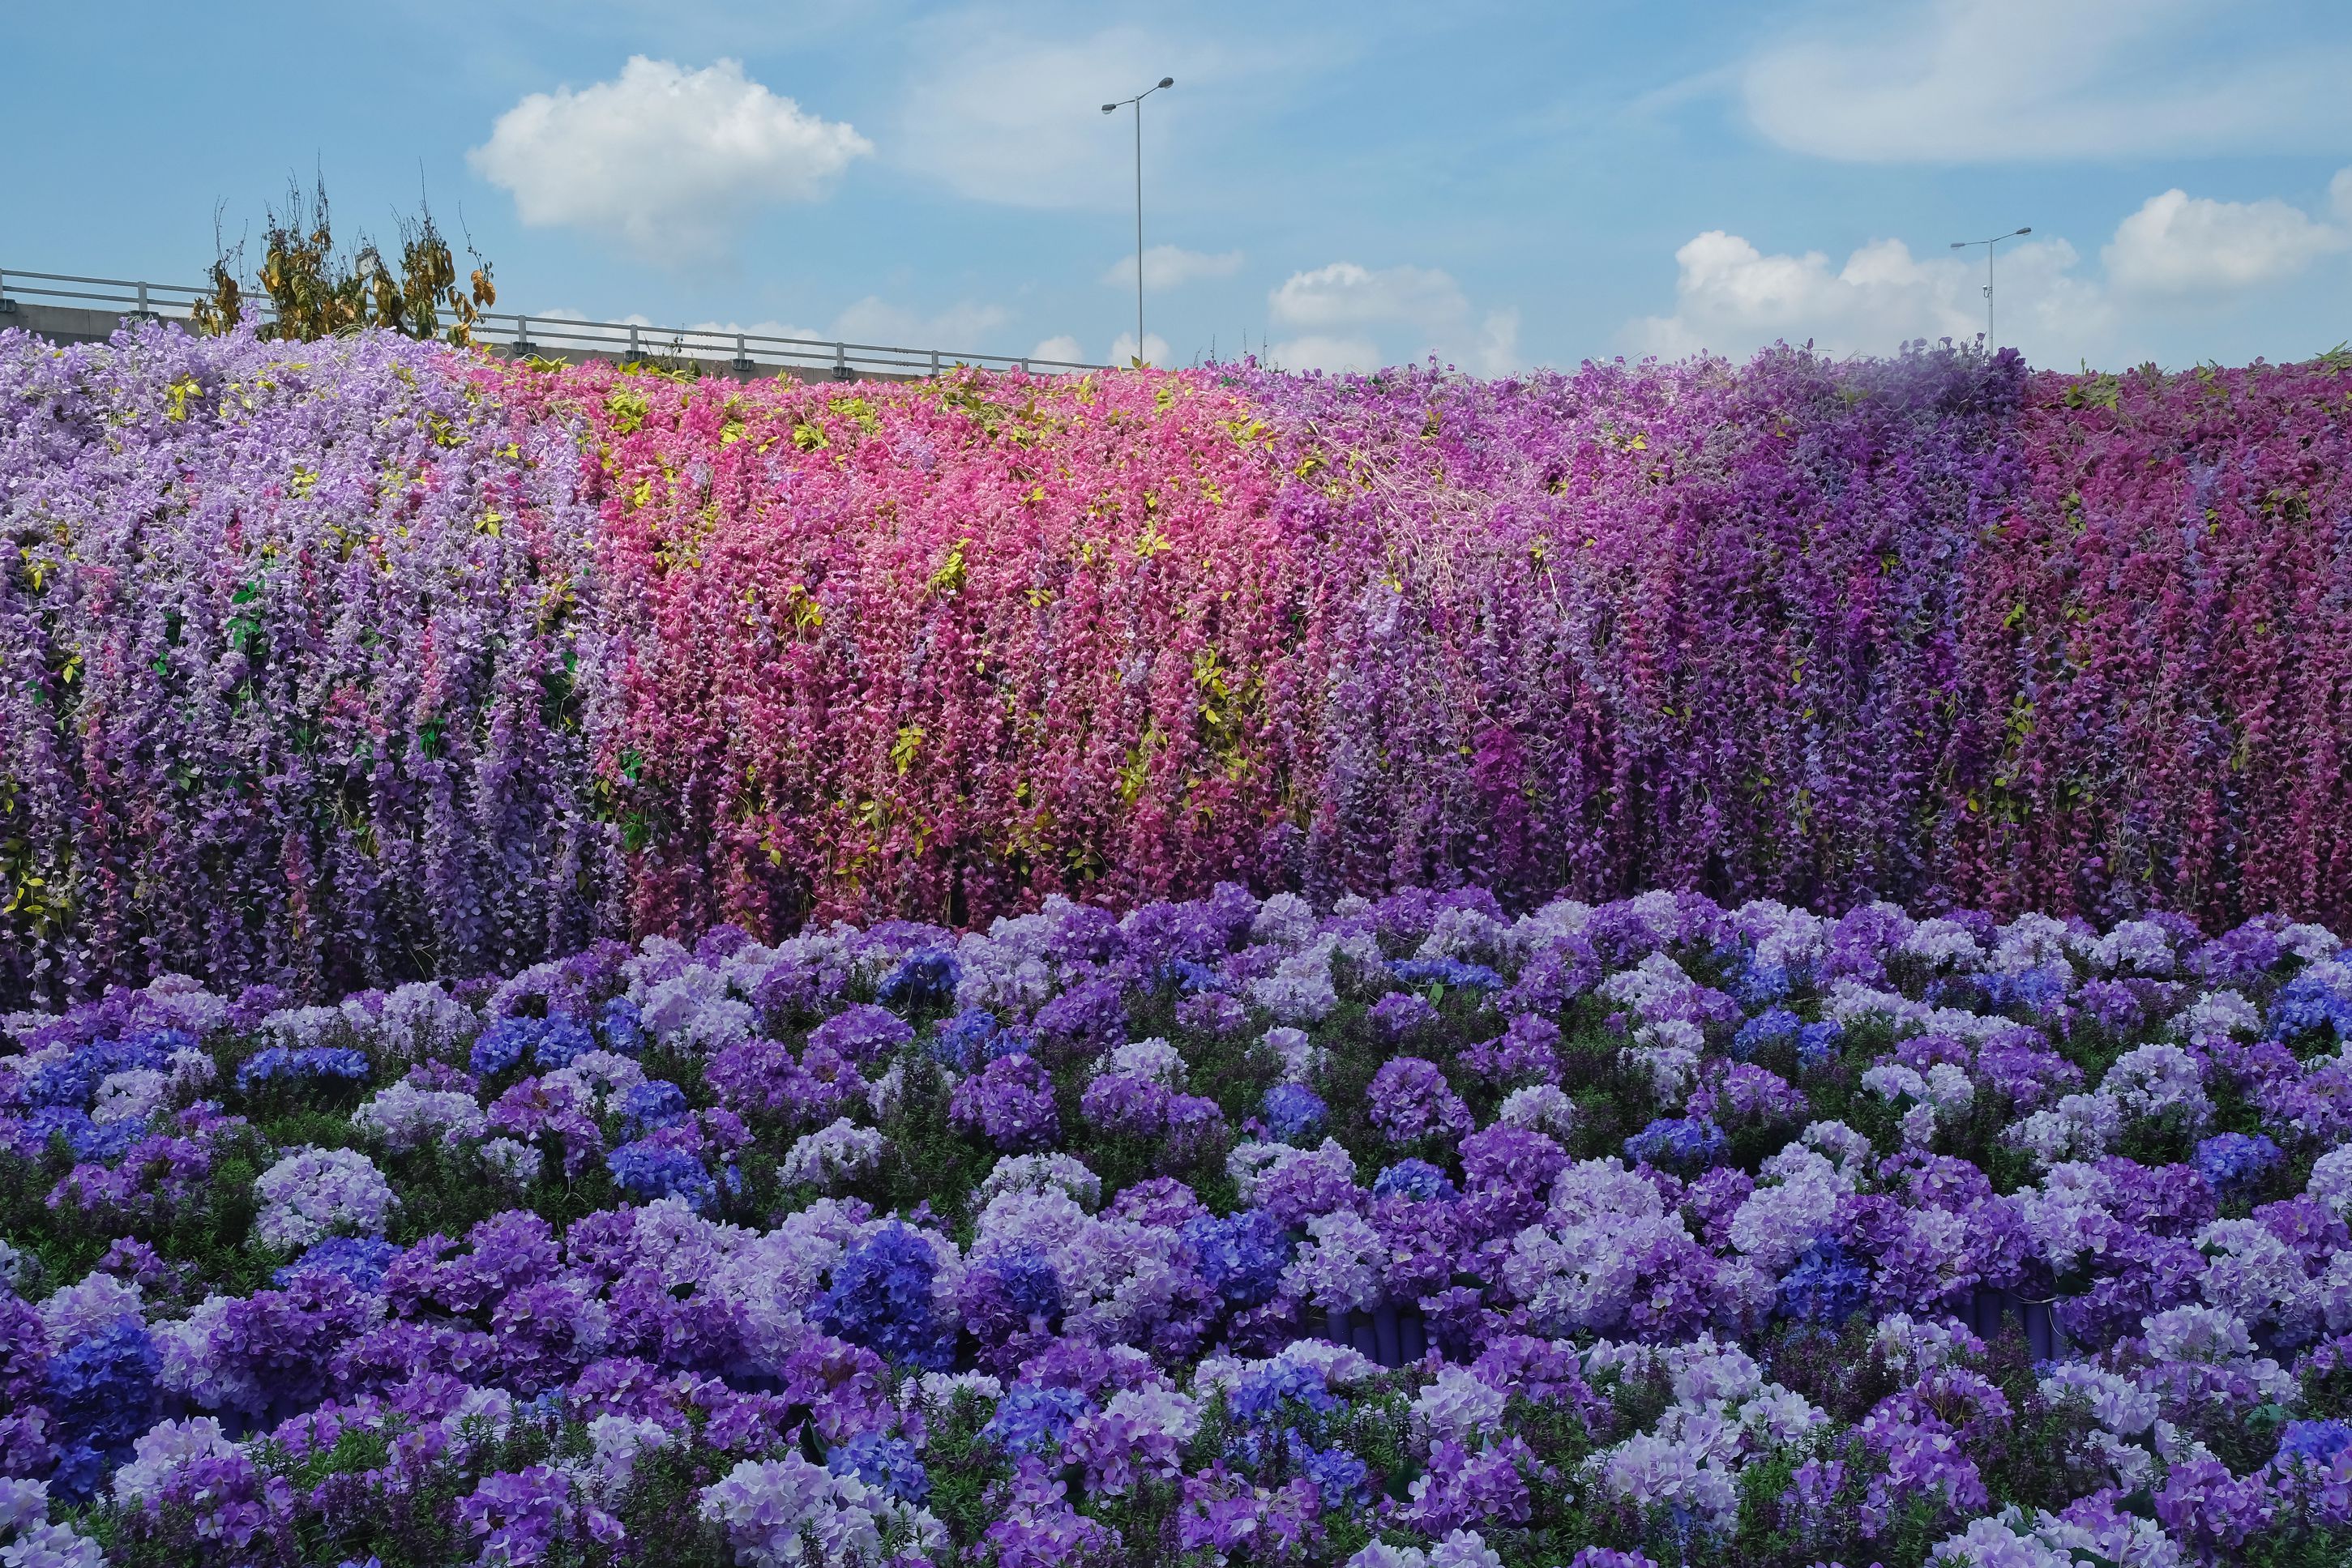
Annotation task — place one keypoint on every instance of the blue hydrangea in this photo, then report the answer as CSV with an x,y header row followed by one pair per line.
x,y
1817,1042
1763,1030
656,1102
1186,976
1262,1391
647,1171
2316,1443
1678,1143
1825,1286
1416,1179
2037,989
1007,1043
890,1463
361,1260
1242,1255
1760,985
881,1298
1345,1480
75,1479
102,1387
502,1046
927,978
2308,1003
73,1080
962,1040
2232,1161
92,1143
1030,1417
623,1028
1451,973
1293,1111
560,1041
312,1064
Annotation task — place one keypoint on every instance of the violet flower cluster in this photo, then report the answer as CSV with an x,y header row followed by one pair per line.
x,y
1652,1232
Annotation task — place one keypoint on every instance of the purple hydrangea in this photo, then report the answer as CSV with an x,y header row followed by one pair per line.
x,y
1011,1102
1411,1101
861,1034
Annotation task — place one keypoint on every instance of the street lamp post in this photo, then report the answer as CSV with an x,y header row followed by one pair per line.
x,y
1113,109
1988,244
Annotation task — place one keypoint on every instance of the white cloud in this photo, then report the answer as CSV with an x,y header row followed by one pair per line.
x,y
1172,266
1731,297
666,159
1064,347
2176,256
2179,244
1155,350
1967,80
1334,305
1344,293
964,326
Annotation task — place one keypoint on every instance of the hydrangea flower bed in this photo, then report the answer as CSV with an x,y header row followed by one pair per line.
x,y
1400,1235
335,665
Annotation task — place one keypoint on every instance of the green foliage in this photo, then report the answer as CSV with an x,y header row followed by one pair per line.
x,y
318,292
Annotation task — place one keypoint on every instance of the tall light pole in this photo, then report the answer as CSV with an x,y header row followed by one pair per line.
x,y
1113,109
1988,244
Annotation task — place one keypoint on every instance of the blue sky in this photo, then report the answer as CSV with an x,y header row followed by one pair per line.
x,y
1351,184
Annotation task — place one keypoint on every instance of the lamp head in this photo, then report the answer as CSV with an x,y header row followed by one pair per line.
x,y
1959,245
1167,81
1111,108
2025,231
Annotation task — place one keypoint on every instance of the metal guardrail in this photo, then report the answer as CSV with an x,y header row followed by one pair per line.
x,y
522,335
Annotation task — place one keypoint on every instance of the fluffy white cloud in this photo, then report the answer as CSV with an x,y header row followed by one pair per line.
x,y
1336,307
1064,347
2176,256
1172,266
1961,80
1155,349
1344,293
1731,297
2179,244
666,159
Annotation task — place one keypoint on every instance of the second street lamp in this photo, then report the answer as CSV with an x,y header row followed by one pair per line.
x,y
1988,244
1112,109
